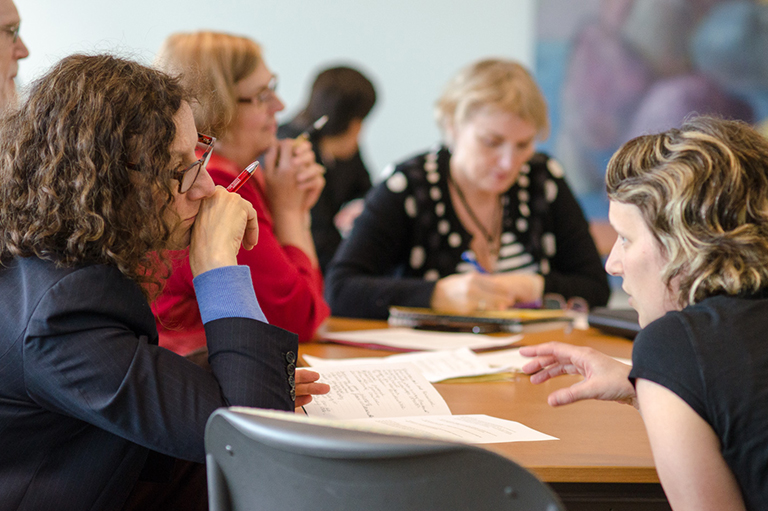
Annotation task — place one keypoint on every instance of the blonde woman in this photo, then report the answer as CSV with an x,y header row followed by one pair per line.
x,y
482,222
237,103
691,210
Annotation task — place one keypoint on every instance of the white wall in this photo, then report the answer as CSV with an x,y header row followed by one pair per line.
x,y
408,47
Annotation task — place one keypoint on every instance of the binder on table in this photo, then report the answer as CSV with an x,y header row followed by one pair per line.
x,y
510,320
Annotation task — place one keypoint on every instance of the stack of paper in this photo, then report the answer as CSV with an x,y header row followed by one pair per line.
x,y
399,398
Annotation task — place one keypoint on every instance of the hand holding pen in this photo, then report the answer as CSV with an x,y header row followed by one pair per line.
x,y
469,257
307,134
250,169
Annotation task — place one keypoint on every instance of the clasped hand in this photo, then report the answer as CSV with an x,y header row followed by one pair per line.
x,y
293,177
466,292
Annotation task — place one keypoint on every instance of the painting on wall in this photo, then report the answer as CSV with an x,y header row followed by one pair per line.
x,y
615,69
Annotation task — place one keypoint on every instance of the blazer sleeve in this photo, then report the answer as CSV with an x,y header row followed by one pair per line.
x,y
90,352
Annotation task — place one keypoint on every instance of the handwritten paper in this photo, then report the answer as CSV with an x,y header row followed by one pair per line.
x,y
434,365
392,390
474,429
397,398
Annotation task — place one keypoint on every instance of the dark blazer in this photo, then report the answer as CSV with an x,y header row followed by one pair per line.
x,y
86,394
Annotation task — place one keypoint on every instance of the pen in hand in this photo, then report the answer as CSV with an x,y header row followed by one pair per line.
x,y
243,177
316,126
305,135
469,257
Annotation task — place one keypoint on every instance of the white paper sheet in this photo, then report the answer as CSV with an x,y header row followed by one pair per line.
x,y
474,429
383,390
512,360
434,365
418,340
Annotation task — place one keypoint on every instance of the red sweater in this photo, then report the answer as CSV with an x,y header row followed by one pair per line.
x,y
289,289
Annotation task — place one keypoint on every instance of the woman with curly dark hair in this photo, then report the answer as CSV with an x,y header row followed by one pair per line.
x,y
100,177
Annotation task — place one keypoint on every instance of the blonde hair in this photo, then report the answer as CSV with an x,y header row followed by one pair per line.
x,y
210,64
702,191
496,84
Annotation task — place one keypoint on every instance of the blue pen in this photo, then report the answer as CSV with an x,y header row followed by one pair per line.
x,y
469,257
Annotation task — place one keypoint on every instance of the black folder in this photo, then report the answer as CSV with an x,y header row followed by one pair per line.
x,y
621,322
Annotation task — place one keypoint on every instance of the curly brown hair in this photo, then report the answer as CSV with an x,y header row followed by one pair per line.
x,y
85,164
702,190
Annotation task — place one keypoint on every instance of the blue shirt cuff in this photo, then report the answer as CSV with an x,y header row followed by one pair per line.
x,y
227,292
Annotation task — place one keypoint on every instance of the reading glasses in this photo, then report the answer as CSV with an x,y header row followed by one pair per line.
x,y
265,94
188,176
12,30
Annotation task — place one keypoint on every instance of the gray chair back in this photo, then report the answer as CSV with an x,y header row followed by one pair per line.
x,y
262,463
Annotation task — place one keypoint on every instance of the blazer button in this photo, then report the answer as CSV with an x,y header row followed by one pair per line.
x,y
292,380
291,369
293,394
290,357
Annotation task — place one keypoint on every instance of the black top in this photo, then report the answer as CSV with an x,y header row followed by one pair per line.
x,y
713,355
409,236
345,180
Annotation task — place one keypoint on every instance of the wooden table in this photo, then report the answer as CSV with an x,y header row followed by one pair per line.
x,y
603,451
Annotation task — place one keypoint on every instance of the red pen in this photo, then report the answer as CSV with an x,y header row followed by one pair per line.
x,y
243,177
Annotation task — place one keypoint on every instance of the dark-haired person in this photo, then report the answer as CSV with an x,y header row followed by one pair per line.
x,y
237,103
690,206
487,196
346,96
100,177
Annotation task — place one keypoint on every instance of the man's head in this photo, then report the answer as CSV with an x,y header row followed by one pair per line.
x,y
12,49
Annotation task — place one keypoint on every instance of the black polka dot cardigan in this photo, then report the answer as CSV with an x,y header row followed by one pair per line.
x,y
409,236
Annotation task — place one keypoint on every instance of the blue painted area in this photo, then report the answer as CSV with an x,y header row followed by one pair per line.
x,y
551,64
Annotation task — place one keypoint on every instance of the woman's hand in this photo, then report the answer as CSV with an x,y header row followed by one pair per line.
x,y
605,378
307,386
310,178
467,292
293,177
294,182
224,223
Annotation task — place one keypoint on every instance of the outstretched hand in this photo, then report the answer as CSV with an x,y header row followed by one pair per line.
x,y
605,378
307,386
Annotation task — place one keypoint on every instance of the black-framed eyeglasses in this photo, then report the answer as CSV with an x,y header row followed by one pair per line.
x,y
188,176
265,95
12,30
